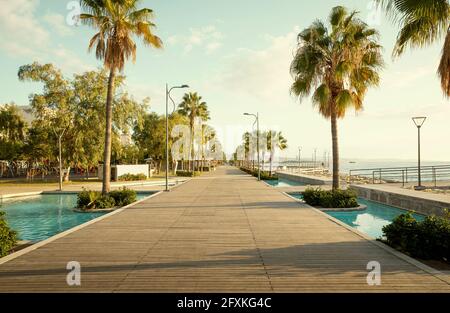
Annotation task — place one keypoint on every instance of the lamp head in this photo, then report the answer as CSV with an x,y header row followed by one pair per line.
x,y
184,86
419,120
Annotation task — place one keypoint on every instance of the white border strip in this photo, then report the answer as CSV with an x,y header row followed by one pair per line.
x,y
71,230
22,194
438,274
172,183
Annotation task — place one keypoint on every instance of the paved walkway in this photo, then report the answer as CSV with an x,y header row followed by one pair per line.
x,y
221,232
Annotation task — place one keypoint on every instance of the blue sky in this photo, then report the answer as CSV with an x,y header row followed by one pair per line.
x,y
237,55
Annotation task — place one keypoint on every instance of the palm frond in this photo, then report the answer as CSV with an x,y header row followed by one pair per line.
x,y
444,66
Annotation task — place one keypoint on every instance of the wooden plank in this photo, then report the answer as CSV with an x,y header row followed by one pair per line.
x,y
224,232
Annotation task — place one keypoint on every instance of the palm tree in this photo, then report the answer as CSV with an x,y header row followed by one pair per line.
x,y
117,21
336,66
275,140
193,107
208,133
246,138
423,22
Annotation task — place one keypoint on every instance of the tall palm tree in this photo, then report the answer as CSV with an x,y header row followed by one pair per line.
x,y
193,107
423,22
117,22
275,140
208,133
336,66
246,138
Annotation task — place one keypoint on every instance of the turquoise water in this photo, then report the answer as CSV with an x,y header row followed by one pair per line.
x,y
371,220
40,217
282,182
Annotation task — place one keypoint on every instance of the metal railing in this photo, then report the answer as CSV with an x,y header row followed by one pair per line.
x,y
403,175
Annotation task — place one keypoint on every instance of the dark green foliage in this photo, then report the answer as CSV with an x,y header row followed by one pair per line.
x,y
187,174
247,170
8,237
428,239
90,200
105,202
265,175
123,196
402,232
86,199
330,198
131,177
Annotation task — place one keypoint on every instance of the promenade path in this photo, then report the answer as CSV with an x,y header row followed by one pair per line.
x,y
223,231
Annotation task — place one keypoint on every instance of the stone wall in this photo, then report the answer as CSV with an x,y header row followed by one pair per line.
x,y
309,180
407,202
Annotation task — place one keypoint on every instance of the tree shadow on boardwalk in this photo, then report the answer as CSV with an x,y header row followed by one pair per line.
x,y
319,259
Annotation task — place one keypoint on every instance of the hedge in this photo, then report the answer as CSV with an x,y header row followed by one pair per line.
x,y
339,199
427,239
8,237
91,200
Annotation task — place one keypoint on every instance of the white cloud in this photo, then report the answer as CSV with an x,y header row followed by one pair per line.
x,y
58,23
19,28
404,78
207,37
262,74
210,48
24,35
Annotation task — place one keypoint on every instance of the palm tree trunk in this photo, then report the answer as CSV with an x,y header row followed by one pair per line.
x,y
108,134
191,147
334,136
270,166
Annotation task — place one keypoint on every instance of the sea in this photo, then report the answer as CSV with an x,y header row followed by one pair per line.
x,y
347,164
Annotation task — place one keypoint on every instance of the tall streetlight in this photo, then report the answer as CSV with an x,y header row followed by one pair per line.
x,y
167,127
299,158
419,122
257,139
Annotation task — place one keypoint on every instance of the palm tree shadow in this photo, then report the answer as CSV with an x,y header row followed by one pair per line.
x,y
319,259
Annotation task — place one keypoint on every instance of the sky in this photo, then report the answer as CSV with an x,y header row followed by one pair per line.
x,y
236,54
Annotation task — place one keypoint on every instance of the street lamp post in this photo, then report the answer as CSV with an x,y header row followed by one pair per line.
x,y
167,128
299,159
419,122
257,140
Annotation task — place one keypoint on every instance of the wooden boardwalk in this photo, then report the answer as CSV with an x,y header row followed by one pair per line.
x,y
221,232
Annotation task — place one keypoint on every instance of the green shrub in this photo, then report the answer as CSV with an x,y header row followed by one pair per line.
x,y
427,239
187,173
90,200
8,237
86,199
330,198
246,170
123,196
132,177
265,175
402,232
105,202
